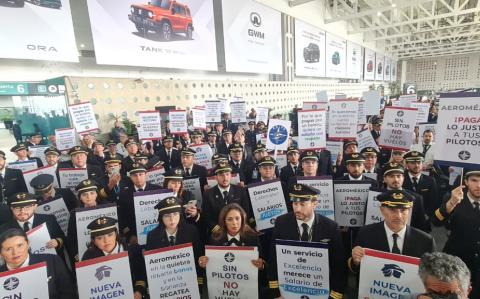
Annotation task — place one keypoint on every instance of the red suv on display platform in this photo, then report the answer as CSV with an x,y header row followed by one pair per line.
x,y
164,17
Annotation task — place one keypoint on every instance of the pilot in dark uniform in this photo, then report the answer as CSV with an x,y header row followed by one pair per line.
x,y
44,189
355,166
371,166
79,155
11,182
293,166
21,150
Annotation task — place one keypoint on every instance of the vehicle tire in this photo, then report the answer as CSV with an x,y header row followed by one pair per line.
x,y
140,28
189,32
166,31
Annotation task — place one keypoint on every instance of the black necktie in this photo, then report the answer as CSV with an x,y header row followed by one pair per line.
x,y
140,189
425,149
187,171
1,180
26,227
305,232
415,183
295,169
225,196
476,207
237,165
233,241
171,240
169,154
395,248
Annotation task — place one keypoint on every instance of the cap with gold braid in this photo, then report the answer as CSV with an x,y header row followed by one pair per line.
x,y
20,146
266,161
21,199
223,167
186,151
392,167
112,160
52,151
292,149
42,183
86,185
102,226
110,142
168,205
312,155
354,158
413,156
301,192
137,168
369,151
235,147
259,147
77,150
395,199
174,174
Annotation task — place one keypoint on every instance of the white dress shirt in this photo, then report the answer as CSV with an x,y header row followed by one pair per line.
x,y
30,222
237,237
400,238
309,222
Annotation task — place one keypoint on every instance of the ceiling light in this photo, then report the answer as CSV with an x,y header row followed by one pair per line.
x,y
82,45
379,13
394,5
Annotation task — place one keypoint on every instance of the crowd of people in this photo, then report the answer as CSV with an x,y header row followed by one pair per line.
x,y
411,196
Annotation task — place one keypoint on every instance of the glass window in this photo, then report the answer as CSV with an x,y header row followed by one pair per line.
x,y
165,4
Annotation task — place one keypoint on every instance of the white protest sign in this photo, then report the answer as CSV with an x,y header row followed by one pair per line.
x,y
335,148
213,111
37,152
388,275
315,105
149,125
71,177
156,176
65,138
308,260
83,117
193,185
398,126
365,139
281,160
178,121
362,113
105,277
406,100
268,202
373,214
230,272
324,184
311,129
454,173
278,133
457,134
212,180
166,279
262,115
238,112
146,216
350,201
203,154
343,118
57,208
38,238
25,282
223,105
23,165
29,175
423,111
372,100
198,118
83,217
322,96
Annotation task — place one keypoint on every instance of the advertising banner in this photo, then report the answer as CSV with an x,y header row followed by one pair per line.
x,y
324,185
29,175
336,60
350,201
154,33
199,118
252,35
48,34
238,112
379,67
178,121
38,237
65,138
354,60
83,117
369,65
393,77
309,50
57,208
388,69
343,117
213,112
25,282
312,129
398,126
278,133
149,125
203,154
71,177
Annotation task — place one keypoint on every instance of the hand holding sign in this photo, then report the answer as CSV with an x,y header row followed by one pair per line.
x,y
455,198
357,254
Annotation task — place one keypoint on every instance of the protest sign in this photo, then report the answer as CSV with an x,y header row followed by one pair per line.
x,y
83,217
268,202
398,126
37,152
65,138
193,185
427,126
83,117
350,200
156,175
25,282
342,119
281,160
373,214
308,260
230,272
423,111
71,177
146,216
458,136
149,125
311,129
29,175
178,121
212,180
278,133
171,272
38,237
388,275
335,148
24,166
262,115
238,112
324,184
372,100
203,154
213,111
198,118
406,100
365,139
105,277
57,208
362,113
322,96
315,105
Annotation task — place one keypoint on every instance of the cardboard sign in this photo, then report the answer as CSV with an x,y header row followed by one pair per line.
x,y
343,118
65,138
311,129
149,125
105,277
268,202
178,121
29,175
83,217
308,260
278,133
388,275
71,177
146,216
397,131
230,272
83,117
57,208
156,176
350,201
171,272
198,118
238,112
262,115
324,184
213,111
37,152
38,238
24,166
203,154
26,282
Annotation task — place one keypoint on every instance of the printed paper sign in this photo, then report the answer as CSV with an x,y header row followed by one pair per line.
x,y
372,100
65,138
83,117
308,260
365,139
178,121
57,208
24,166
343,117
406,100
71,177
311,129
105,277
335,148
388,275
281,160
398,126
262,115
146,216
350,202
26,282
373,214
230,272
324,184
423,111
268,202
315,105
213,111
149,125
171,272
238,112
278,133
38,238
203,154
156,176
37,152
198,117
29,175
193,185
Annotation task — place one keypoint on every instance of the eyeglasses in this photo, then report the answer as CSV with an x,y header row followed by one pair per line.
x,y
25,208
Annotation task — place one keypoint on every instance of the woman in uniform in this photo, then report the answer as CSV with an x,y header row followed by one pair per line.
x,y
174,181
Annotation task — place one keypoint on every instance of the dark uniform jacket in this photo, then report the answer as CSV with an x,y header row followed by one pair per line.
x,y
427,187
286,172
244,169
197,171
372,182
323,230
174,160
69,198
60,284
127,163
12,183
97,160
